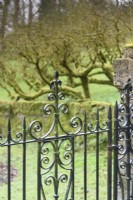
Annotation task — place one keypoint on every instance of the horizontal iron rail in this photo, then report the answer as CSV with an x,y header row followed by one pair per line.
x,y
55,138
63,136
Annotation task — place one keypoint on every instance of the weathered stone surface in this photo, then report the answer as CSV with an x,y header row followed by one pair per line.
x,y
128,53
123,70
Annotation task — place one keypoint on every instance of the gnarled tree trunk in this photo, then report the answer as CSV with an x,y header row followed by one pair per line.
x,y
84,81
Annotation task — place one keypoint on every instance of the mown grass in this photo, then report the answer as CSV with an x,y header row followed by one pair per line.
x,y
31,177
99,93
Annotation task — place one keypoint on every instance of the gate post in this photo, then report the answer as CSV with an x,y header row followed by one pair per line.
x,y
123,67
123,78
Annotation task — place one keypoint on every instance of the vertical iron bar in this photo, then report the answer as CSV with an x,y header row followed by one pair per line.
x,y
132,190
56,153
109,166
69,186
39,172
9,160
128,141
73,177
115,178
24,159
56,186
85,157
97,155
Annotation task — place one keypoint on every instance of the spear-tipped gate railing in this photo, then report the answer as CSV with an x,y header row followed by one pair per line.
x,y
56,170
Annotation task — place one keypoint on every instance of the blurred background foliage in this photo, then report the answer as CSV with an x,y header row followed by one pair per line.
x,y
79,38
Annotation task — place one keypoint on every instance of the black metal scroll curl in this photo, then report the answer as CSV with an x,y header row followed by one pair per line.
x,y
63,178
3,141
18,138
35,129
65,158
56,159
122,146
50,180
76,122
63,108
47,161
61,156
13,138
125,126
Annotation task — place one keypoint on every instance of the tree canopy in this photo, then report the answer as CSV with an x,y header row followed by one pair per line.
x,y
80,39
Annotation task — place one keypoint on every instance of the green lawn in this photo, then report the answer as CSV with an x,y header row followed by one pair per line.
x,y
100,93
16,161
104,93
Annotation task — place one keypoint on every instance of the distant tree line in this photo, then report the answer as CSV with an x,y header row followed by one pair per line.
x,y
79,38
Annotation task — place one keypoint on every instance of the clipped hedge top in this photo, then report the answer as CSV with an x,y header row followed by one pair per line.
x,y
36,108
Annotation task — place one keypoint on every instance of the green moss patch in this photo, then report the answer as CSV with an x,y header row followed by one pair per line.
x,y
129,45
35,111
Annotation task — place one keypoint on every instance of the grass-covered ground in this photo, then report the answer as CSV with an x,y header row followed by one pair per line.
x,y
102,93
31,187
99,93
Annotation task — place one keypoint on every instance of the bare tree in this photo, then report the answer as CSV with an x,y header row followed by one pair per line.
x,y
16,13
80,45
4,17
30,17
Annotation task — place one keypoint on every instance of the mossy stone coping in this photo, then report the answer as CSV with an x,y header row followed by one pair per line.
x,y
128,50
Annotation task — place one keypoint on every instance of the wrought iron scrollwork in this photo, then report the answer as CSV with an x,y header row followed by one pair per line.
x,y
36,128
125,153
47,160
56,152
56,146
12,138
66,156
3,141
55,155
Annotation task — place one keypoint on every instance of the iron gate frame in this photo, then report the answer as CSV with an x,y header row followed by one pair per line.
x,y
120,150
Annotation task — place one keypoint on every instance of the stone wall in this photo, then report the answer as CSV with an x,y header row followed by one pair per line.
x,y
123,68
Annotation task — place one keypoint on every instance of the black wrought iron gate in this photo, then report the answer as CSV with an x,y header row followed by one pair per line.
x,y
56,157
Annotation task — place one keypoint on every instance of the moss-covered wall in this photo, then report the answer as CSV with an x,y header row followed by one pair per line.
x,y
12,109
34,111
